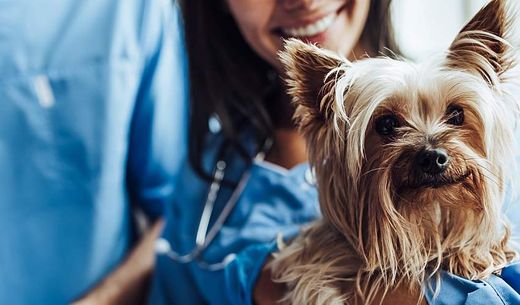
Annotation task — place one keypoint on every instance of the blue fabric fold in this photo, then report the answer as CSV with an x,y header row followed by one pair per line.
x,y
495,290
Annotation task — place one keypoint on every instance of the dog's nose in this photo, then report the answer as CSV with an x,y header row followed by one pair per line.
x,y
432,161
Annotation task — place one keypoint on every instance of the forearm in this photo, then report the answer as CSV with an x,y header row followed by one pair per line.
x,y
266,291
127,285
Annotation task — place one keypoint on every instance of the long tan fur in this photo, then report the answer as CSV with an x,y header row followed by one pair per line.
x,y
383,236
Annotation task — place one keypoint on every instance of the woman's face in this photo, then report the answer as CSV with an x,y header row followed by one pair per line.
x,y
333,24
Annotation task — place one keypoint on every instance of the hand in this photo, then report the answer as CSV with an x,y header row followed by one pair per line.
x,y
266,291
127,285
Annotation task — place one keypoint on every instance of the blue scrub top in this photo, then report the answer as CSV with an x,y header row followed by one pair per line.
x,y
92,118
275,201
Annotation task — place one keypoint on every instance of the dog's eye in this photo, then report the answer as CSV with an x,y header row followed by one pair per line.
x,y
387,124
455,115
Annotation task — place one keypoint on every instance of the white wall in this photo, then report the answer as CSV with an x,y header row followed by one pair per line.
x,y
424,27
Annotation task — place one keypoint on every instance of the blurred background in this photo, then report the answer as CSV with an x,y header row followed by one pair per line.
x,y
428,26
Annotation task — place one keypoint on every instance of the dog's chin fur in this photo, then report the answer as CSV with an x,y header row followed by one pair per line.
x,y
386,233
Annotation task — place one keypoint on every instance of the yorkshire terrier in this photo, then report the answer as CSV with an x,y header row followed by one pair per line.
x,y
411,162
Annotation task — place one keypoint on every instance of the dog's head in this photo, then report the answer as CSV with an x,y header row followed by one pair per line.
x,y
412,159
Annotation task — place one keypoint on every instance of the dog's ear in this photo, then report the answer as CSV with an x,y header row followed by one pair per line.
x,y
306,69
481,46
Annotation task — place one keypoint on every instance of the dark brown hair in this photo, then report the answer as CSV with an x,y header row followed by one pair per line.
x,y
229,79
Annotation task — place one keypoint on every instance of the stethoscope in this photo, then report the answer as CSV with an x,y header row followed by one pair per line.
x,y
206,234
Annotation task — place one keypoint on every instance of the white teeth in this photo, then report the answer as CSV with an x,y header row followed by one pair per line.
x,y
312,29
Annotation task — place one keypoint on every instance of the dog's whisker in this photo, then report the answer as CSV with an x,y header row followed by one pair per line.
x,y
373,170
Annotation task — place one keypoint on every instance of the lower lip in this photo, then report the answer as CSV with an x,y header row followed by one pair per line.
x,y
316,39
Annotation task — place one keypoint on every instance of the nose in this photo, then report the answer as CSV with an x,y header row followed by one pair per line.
x,y
432,161
297,4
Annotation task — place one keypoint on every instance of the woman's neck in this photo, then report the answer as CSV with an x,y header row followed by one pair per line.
x,y
280,109
288,149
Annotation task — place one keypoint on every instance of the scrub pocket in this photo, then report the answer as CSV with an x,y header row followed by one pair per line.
x,y
54,123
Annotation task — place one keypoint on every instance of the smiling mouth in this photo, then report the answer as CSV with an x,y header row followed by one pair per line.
x,y
312,29
315,28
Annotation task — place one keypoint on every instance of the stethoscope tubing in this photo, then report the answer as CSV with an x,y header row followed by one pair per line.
x,y
204,237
